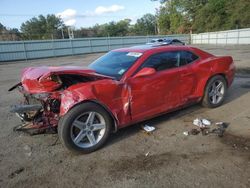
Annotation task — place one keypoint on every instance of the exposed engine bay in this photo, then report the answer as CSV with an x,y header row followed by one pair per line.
x,y
38,113
40,108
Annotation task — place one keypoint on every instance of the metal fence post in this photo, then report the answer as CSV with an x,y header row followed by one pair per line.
x,y
216,38
90,45
226,38
25,52
238,37
72,52
53,48
208,38
109,42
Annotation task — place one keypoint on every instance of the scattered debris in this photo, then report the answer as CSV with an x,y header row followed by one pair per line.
x,y
205,131
147,154
205,126
221,128
186,133
16,172
28,150
148,128
194,131
222,125
202,123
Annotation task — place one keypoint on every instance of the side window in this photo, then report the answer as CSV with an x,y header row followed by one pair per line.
x,y
187,57
163,61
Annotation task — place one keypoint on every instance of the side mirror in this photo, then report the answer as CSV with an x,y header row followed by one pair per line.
x,y
145,72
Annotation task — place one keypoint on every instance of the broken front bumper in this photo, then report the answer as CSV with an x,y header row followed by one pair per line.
x,y
39,113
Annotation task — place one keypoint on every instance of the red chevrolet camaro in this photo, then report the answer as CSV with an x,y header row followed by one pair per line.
x,y
123,87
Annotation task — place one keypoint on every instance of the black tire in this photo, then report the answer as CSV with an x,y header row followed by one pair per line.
x,y
66,123
206,101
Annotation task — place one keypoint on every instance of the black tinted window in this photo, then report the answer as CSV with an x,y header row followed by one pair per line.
x,y
187,57
163,61
169,60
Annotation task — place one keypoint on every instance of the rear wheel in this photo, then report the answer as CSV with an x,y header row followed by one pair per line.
x,y
85,128
215,92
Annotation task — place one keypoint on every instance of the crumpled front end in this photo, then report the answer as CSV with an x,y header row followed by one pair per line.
x,y
39,113
42,88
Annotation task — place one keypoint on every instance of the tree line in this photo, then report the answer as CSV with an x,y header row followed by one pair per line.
x,y
172,17
182,16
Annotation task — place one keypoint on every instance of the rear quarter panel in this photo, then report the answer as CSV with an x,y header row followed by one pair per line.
x,y
224,65
212,66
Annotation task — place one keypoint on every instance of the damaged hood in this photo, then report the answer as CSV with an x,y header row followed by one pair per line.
x,y
39,79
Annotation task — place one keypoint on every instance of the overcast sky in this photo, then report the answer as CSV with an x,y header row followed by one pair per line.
x,y
78,13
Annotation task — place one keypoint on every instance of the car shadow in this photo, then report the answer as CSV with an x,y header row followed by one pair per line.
x,y
129,131
240,87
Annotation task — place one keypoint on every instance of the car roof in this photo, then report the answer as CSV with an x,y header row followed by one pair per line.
x,y
152,47
158,48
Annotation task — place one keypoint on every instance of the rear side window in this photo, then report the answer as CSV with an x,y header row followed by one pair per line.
x,y
168,60
187,57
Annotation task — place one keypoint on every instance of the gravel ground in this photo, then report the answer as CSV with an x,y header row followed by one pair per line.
x,y
131,158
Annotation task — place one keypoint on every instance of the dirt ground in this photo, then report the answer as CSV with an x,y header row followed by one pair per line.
x,y
131,158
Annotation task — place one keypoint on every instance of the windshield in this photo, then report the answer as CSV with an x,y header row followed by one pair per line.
x,y
115,64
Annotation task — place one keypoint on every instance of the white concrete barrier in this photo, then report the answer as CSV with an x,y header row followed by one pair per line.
x,y
238,36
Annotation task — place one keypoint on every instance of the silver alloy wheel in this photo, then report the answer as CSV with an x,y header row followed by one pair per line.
x,y
216,92
88,129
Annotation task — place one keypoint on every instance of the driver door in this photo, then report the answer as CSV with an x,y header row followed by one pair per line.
x,y
156,93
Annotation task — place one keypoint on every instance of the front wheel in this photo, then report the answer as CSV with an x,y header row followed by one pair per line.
x,y
85,128
215,92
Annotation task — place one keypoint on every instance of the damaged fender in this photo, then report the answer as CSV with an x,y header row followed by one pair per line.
x,y
115,96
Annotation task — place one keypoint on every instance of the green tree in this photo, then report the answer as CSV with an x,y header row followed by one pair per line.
x,y
238,14
146,25
120,28
172,18
42,27
178,16
211,17
9,34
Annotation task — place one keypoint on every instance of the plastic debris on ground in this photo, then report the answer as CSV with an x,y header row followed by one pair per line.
x,y
202,123
186,133
148,128
205,128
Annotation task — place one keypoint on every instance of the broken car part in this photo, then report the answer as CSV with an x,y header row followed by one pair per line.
x,y
202,123
194,132
148,128
204,126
